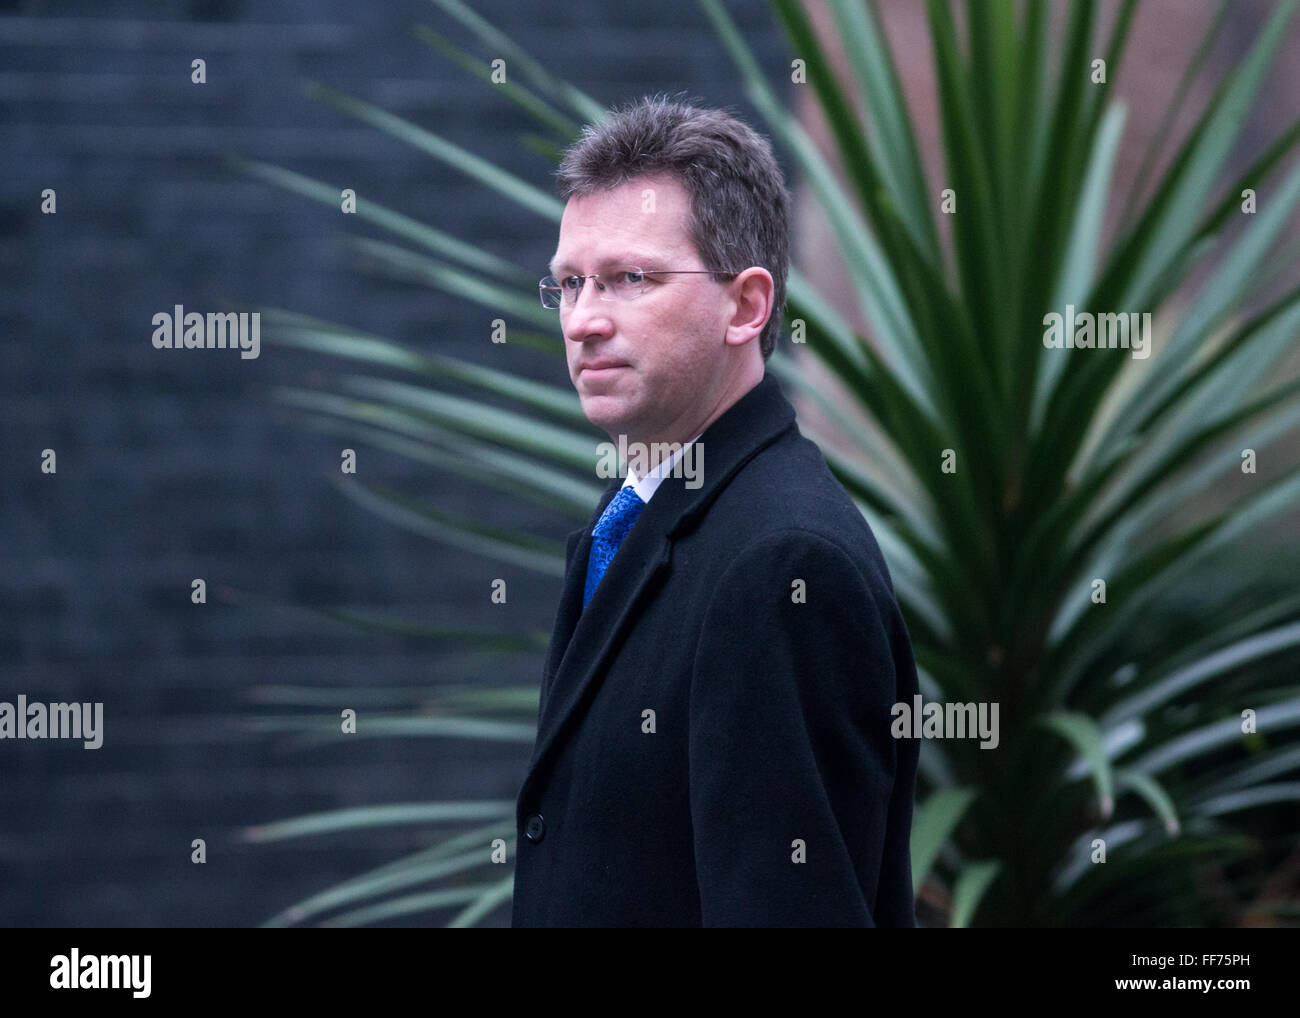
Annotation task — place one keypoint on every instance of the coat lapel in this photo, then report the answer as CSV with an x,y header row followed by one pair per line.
x,y
576,550
582,640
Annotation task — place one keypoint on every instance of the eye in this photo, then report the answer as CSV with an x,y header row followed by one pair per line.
x,y
633,276
570,283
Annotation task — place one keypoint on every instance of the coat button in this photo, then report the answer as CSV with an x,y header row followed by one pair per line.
x,y
535,829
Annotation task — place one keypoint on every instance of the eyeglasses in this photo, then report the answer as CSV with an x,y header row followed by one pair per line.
x,y
627,283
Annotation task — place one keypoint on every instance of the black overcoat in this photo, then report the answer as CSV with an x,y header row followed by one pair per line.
x,y
713,742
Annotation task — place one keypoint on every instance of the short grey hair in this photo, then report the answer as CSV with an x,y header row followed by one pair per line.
x,y
740,207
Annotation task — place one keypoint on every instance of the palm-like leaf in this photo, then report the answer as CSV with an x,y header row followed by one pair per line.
x,y
1120,720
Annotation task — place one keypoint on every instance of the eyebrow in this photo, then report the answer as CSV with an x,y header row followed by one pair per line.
x,y
619,259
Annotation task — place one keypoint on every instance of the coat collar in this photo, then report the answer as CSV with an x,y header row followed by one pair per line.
x,y
583,639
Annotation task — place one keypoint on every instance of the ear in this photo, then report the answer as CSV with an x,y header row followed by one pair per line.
x,y
752,294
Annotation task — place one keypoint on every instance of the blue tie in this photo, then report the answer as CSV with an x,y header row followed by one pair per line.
x,y
608,534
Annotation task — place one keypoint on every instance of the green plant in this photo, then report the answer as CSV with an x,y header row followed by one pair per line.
x,y
1002,478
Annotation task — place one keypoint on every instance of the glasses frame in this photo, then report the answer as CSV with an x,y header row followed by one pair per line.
x,y
549,282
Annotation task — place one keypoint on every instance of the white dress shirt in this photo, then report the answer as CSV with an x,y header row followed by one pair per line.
x,y
645,487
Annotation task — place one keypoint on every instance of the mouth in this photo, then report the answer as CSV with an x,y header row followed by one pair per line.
x,y
600,369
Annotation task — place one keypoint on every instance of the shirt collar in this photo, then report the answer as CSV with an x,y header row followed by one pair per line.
x,y
646,486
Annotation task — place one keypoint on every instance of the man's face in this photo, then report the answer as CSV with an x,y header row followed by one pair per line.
x,y
667,345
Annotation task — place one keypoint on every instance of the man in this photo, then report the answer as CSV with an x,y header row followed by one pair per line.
x,y
713,740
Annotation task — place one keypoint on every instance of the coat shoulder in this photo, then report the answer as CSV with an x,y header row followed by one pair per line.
x,y
787,492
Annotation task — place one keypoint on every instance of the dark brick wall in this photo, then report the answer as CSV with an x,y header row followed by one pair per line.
x,y
171,467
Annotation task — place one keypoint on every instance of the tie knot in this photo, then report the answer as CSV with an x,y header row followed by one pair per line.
x,y
619,515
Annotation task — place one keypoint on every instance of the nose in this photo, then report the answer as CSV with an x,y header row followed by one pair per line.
x,y
589,315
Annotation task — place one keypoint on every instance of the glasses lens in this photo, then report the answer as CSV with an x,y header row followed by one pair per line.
x,y
627,283
621,284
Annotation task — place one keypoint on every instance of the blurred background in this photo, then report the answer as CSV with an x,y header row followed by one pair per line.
x,y
169,468
171,465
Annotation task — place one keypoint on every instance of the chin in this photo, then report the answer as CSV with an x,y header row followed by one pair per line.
x,y
605,413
